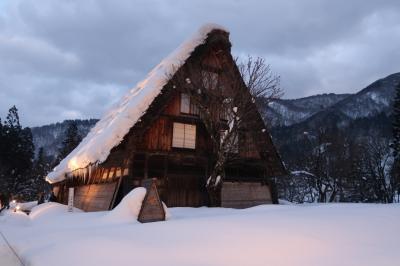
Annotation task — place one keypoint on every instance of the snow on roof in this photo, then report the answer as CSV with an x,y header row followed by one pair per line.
x,y
301,172
115,124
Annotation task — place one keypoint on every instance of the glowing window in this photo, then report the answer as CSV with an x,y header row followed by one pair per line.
x,y
184,136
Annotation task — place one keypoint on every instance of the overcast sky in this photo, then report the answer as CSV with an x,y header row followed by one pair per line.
x,y
73,59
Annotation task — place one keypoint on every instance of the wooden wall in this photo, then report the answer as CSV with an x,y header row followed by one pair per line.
x,y
186,190
95,197
244,194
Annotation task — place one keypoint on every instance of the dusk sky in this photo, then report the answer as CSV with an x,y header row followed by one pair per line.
x,y
74,59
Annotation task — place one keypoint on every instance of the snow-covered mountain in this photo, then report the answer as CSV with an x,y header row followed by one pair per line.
x,y
366,113
51,136
283,112
369,102
374,99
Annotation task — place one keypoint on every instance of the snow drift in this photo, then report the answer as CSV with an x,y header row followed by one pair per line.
x,y
48,210
14,218
284,235
27,206
129,208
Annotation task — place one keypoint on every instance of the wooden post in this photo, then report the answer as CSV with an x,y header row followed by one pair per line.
x,y
70,199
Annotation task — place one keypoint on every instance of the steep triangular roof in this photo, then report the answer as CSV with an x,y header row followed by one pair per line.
x,y
116,123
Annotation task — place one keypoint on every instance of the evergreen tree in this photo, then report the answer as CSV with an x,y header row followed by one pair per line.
x,y
396,123
2,156
12,120
71,140
41,169
16,156
396,142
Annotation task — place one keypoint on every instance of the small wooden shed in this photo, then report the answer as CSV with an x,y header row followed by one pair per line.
x,y
152,207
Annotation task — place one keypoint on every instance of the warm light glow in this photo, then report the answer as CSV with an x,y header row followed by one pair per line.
x,y
17,208
14,201
73,164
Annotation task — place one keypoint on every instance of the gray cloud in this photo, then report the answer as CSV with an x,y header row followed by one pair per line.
x,y
73,59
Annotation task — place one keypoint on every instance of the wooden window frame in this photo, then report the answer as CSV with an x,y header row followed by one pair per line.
x,y
184,99
184,145
192,109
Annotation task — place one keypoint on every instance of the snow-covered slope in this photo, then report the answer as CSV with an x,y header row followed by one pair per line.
x,y
115,124
279,235
51,136
368,102
285,112
374,99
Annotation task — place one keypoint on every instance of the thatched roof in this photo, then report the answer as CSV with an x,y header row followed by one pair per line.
x,y
116,123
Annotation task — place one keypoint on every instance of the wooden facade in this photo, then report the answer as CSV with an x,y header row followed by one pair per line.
x,y
171,145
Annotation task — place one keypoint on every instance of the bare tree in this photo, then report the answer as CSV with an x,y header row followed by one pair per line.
x,y
379,162
259,78
226,107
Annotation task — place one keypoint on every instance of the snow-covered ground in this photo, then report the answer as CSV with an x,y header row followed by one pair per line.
x,y
326,234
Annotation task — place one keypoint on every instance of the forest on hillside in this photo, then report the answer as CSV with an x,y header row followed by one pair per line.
x,y
22,172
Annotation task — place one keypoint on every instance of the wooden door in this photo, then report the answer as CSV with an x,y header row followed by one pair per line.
x,y
185,190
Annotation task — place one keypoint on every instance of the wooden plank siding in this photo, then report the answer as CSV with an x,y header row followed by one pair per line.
x,y
95,197
244,194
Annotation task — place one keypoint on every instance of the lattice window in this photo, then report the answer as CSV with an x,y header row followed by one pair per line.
x,y
184,136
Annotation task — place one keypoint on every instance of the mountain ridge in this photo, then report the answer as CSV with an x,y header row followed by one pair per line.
x,y
369,101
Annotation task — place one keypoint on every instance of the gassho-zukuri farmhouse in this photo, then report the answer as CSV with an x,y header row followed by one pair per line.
x,y
156,137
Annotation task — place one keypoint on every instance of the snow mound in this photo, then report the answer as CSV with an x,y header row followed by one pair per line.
x,y
48,210
284,202
27,206
14,218
115,124
129,207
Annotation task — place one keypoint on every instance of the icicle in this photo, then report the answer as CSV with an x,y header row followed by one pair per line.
x,y
218,179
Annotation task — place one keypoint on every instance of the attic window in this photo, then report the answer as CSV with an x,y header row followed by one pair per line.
x,y
185,103
184,136
187,106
